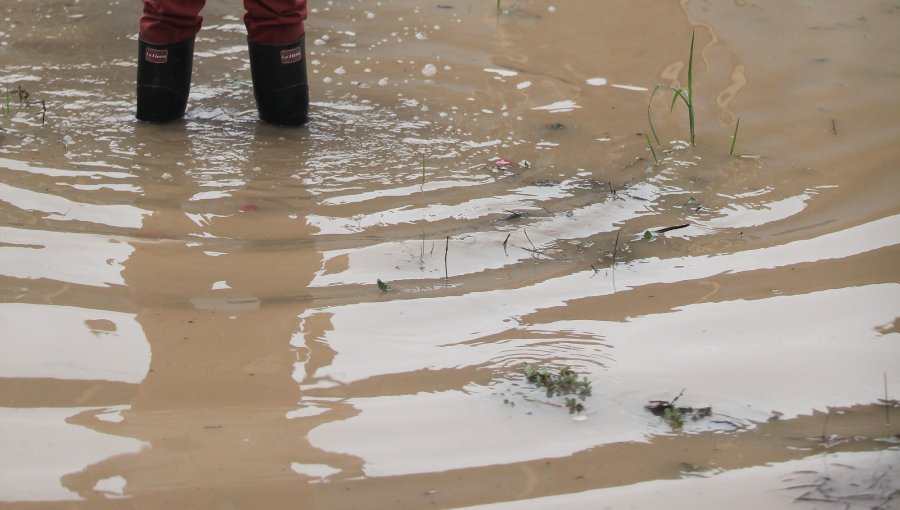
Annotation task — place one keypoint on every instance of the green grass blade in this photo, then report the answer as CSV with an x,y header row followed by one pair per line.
x,y
651,148
649,119
690,88
674,98
679,93
734,136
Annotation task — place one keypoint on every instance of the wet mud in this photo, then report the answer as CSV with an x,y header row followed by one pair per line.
x,y
191,315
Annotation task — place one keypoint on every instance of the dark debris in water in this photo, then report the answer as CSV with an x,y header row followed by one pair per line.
x,y
514,215
674,227
674,415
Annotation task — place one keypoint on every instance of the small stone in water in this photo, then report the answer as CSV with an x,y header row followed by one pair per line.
x,y
429,70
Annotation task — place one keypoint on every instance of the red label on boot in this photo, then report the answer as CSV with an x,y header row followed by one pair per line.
x,y
156,56
292,55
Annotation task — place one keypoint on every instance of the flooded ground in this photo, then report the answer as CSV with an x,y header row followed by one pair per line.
x,y
191,315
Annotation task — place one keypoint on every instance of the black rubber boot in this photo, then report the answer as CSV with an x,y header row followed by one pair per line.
x,y
163,80
279,82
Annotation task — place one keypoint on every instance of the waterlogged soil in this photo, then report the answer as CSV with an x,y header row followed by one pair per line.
x,y
191,317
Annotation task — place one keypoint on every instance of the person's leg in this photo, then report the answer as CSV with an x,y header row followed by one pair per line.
x,y
165,57
170,21
276,36
275,22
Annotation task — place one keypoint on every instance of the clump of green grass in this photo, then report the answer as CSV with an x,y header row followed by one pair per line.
x,y
686,95
563,383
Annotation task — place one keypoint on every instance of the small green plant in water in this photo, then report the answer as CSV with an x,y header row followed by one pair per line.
x,y
564,383
674,418
383,286
574,405
686,95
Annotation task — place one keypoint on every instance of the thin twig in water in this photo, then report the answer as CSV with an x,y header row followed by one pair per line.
x,y
446,251
422,251
616,247
833,127
825,425
506,241
529,240
614,192
887,407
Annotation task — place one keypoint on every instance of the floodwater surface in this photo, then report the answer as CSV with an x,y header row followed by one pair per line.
x,y
217,313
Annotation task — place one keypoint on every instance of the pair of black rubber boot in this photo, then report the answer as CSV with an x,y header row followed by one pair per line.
x,y
278,72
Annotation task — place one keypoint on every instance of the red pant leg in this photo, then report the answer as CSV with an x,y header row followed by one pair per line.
x,y
274,22
170,21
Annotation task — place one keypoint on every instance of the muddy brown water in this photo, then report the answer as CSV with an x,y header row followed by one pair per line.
x,y
190,316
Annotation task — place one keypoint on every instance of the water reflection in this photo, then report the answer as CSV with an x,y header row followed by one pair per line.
x,y
41,446
219,405
59,342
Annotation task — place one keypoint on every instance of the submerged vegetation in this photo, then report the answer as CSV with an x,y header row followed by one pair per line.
x,y
564,383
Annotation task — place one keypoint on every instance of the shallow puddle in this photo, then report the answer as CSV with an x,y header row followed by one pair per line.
x,y
218,313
